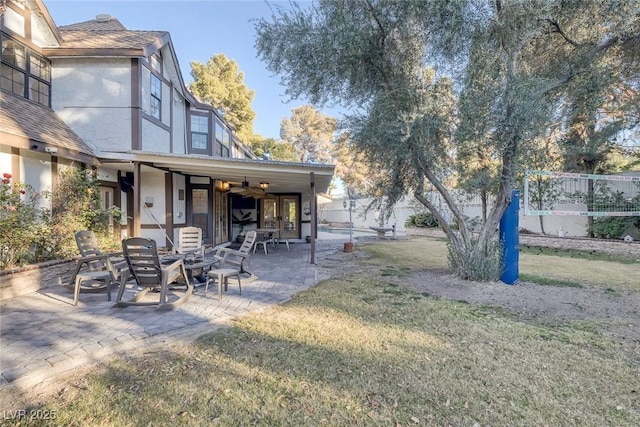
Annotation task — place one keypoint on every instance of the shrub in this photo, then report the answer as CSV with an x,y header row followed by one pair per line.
x,y
31,234
423,219
613,227
481,267
76,205
19,217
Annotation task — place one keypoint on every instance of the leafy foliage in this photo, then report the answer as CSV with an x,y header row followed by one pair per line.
x,y
424,219
310,132
243,219
30,233
443,86
19,215
220,83
485,268
613,227
272,149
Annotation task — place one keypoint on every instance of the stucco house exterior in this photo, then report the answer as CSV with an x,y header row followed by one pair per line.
x,y
98,94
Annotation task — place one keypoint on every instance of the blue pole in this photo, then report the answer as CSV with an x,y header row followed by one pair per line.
x,y
509,240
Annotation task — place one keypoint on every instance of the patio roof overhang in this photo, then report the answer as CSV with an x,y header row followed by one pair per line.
x,y
283,177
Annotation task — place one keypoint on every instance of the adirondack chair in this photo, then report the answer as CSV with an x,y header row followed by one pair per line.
x,y
101,271
190,241
150,274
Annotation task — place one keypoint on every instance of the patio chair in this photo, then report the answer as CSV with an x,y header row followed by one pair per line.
x,y
189,242
151,275
264,238
236,258
103,270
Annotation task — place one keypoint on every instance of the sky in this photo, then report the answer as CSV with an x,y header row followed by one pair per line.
x,y
199,30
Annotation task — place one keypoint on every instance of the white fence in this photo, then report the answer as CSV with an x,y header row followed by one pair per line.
x,y
334,212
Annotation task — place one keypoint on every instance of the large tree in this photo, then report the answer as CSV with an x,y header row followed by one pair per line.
x,y
596,112
272,149
311,133
511,60
351,166
220,83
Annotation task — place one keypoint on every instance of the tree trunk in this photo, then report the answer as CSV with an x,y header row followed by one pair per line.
x,y
541,219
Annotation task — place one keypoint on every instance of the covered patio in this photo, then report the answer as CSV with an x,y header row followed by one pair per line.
x,y
162,186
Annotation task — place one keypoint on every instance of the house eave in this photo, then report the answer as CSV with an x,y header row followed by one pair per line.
x,y
282,176
102,52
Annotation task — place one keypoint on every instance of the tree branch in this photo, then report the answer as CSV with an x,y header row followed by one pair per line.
x,y
564,35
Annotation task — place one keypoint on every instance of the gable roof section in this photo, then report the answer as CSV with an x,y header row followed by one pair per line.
x,y
23,122
106,38
43,12
108,24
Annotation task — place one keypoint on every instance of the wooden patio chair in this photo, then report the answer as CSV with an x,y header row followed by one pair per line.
x,y
237,258
151,275
95,271
189,242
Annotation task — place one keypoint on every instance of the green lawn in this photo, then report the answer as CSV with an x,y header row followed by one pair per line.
x,y
364,350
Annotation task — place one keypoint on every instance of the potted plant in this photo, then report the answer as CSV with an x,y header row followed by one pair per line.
x,y
242,219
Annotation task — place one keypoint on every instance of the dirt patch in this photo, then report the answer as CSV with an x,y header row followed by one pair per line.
x,y
616,313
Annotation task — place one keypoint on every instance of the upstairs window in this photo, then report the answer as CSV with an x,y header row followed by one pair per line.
x,y
25,73
226,137
155,86
155,63
222,140
156,97
200,133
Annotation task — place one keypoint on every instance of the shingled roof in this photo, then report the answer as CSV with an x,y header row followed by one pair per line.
x,y
103,36
107,23
26,119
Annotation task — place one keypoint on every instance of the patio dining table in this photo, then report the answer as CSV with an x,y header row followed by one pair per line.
x,y
273,235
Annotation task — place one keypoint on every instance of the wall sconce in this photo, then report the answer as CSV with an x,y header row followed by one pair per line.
x,y
264,185
148,202
306,210
224,185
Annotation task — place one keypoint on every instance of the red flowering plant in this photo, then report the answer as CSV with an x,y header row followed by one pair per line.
x,y
19,219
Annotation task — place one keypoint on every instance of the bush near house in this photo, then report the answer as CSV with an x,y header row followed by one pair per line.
x,y
31,234
19,215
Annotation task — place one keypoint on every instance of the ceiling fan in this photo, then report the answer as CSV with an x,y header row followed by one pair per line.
x,y
244,189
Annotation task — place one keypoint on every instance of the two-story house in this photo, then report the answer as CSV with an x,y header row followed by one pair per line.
x,y
114,100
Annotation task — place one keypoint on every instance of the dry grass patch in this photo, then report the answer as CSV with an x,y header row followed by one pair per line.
x,y
348,352
431,254
604,274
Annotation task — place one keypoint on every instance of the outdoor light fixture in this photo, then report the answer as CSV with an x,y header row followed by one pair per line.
x,y
351,204
264,185
224,185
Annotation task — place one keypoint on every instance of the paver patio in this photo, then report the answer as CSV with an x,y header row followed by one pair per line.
x,y
42,335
